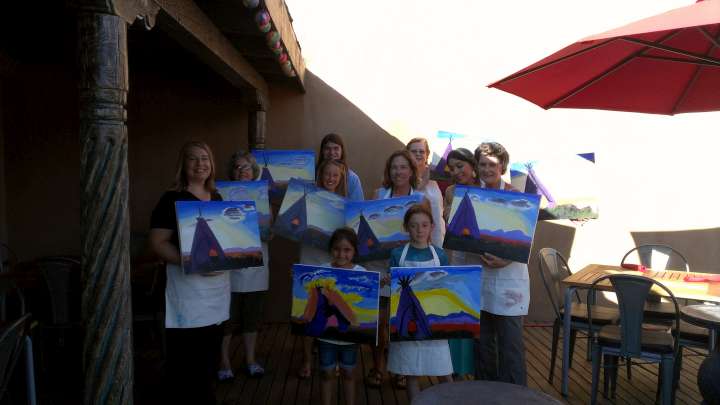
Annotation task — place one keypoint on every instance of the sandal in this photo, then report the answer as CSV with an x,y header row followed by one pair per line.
x,y
400,382
374,378
304,372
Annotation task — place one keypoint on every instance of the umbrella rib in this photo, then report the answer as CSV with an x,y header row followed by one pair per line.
x,y
553,62
713,44
661,47
595,79
709,37
679,60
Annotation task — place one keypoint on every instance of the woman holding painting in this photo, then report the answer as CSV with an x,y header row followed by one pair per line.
x,y
505,290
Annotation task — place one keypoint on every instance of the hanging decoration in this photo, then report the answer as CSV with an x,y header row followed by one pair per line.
x,y
251,3
272,37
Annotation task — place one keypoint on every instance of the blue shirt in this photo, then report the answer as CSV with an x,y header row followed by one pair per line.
x,y
355,190
417,255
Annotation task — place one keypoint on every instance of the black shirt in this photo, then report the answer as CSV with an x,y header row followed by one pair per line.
x,y
163,215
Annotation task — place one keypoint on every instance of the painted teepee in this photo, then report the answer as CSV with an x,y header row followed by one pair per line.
x,y
293,221
464,223
323,311
412,321
206,249
367,241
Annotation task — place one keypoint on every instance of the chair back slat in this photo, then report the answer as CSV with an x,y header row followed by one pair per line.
x,y
553,269
632,294
657,257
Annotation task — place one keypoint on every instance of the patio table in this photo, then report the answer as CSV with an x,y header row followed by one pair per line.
x,y
674,280
706,316
482,392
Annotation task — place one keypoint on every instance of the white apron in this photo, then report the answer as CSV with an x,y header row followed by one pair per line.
x,y
427,357
193,300
252,278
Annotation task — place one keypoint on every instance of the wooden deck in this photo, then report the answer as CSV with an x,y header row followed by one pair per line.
x,y
280,352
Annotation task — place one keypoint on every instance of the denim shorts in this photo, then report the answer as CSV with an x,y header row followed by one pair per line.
x,y
331,354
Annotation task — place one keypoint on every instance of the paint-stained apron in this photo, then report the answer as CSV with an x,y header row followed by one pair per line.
x,y
427,357
194,300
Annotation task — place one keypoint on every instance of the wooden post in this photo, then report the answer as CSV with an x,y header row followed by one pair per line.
x,y
256,121
105,231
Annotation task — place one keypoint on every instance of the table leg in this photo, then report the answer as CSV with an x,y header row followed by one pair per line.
x,y
712,341
30,371
567,322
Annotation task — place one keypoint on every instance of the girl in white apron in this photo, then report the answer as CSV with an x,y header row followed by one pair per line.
x,y
429,357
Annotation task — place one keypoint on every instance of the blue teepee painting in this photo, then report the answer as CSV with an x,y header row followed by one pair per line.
x,y
378,224
498,222
567,184
335,303
279,166
256,191
309,214
441,302
218,235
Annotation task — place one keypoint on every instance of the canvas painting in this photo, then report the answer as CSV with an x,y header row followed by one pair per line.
x,y
218,235
279,166
309,214
567,184
379,225
435,302
256,191
439,169
335,303
498,222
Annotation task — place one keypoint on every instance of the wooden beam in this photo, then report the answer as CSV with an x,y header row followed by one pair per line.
x,y
283,24
186,23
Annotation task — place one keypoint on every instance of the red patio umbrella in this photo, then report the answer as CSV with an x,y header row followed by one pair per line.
x,y
666,64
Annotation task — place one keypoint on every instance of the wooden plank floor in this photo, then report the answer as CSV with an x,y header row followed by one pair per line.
x,y
280,352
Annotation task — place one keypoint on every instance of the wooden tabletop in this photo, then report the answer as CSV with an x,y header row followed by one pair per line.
x,y
673,280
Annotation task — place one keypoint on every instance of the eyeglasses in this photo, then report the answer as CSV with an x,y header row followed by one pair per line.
x,y
242,168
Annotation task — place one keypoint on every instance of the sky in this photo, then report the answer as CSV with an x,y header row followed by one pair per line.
x,y
385,217
416,67
495,210
234,225
284,165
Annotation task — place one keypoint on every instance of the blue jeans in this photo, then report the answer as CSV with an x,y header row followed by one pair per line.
x,y
331,354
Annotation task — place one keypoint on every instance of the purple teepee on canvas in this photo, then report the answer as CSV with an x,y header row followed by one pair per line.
x,y
540,188
464,223
323,311
205,248
367,241
412,320
441,168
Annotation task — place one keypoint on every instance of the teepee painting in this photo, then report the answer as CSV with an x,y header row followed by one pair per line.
x,y
218,235
335,303
379,225
439,169
309,214
498,222
256,191
435,302
567,184
279,166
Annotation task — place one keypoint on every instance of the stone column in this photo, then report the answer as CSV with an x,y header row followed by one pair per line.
x,y
105,230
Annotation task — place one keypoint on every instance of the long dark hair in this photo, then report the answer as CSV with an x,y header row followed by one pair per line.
x,y
331,138
347,234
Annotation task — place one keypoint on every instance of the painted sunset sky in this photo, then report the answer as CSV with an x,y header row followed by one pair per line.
x,y
385,217
441,290
249,190
287,164
325,210
500,210
234,224
359,288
